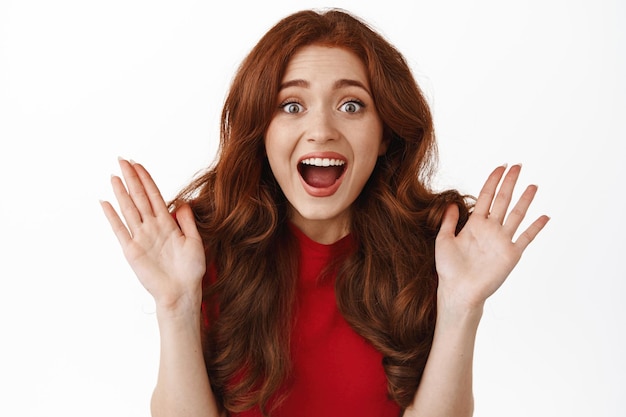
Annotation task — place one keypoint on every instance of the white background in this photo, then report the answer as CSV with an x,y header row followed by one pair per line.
x,y
81,82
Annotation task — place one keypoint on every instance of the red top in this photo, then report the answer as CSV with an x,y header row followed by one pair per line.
x,y
335,371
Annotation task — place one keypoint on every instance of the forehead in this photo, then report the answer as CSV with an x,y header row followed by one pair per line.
x,y
319,63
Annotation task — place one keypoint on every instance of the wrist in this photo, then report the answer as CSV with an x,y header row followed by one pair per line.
x,y
180,324
186,307
457,310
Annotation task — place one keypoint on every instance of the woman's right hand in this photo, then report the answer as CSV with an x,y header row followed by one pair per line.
x,y
166,254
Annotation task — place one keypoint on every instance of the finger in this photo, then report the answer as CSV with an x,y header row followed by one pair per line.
x,y
127,206
485,197
119,229
505,193
152,191
187,222
529,234
449,221
517,214
136,188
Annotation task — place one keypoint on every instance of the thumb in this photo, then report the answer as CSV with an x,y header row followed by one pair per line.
x,y
187,222
449,221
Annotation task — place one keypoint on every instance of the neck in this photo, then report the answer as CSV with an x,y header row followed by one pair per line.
x,y
324,231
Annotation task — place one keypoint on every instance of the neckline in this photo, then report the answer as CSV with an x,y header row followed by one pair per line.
x,y
340,245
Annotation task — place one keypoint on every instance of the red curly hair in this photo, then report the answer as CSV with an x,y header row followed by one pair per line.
x,y
386,289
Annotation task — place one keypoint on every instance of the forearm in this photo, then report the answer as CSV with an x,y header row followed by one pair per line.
x,y
446,385
183,387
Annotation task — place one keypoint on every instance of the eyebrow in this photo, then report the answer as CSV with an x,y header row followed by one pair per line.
x,y
344,82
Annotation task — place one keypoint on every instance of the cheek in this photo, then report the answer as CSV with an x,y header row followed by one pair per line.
x,y
270,142
374,135
277,155
372,145
272,157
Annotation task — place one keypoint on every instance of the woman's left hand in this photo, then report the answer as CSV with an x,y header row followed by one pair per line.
x,y
473,264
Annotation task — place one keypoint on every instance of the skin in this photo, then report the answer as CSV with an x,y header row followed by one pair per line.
x,y
471,267
168,257
325,109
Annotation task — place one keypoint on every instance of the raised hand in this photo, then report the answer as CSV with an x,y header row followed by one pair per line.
x,y
166,254
473,264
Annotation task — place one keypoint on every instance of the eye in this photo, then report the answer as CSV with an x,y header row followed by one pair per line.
x,y
292,107
352,106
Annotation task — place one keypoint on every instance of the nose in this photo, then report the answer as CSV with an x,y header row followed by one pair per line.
x,y
322,126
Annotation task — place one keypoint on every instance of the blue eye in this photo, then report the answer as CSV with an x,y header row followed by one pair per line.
x,y
352,106
292,107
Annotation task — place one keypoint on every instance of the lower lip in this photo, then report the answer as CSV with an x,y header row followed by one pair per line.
x,y
322,192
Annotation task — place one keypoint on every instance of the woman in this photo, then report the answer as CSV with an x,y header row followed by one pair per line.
x,y
312,270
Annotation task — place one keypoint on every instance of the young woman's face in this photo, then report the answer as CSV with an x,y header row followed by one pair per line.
x,y
324,139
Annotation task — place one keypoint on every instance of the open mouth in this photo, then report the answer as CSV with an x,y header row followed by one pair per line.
x,y
321,172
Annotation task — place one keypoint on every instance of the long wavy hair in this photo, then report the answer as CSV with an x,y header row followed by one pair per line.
x,y
386,288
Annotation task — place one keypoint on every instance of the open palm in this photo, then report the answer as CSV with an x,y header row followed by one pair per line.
x,y
473,264
166,254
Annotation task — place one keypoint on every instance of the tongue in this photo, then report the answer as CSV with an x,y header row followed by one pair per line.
x,y
320,177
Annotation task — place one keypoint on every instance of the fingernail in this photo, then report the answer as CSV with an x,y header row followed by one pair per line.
x,y
132,162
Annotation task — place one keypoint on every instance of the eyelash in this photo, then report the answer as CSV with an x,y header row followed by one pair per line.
x,y
356,101
285,104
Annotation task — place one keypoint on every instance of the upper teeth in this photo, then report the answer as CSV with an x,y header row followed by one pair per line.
x,y
323,162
